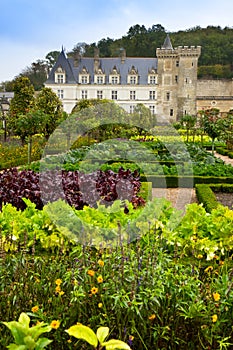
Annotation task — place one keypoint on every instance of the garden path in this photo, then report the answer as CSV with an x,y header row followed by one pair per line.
x,y
180,197
226,159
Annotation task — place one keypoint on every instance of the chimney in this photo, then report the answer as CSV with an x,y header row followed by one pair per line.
x,y
96,59
123,55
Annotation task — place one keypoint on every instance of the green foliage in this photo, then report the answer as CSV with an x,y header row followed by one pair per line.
x,y
23,100
27,338
206,196
48,103
80,331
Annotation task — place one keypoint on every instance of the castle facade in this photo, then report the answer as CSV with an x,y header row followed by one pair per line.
x,y
167,84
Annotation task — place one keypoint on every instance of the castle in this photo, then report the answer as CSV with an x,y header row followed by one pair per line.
x,y
167,84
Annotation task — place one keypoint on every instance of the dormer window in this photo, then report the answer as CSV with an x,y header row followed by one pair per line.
x,y
114,80
133,76
152,76
84,77
114,76
152,79
99,77
60,76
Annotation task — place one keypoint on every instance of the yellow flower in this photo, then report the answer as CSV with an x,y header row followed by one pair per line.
x,y
94,290
91,273
152,317
58,282
35,308
200,256
214,318
101,263
55,324
57,289
209,268
69,341
100,279
216,296
131,337
221,262
100,305
61,293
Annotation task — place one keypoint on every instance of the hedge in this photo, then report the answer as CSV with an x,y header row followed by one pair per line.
x,y
206,194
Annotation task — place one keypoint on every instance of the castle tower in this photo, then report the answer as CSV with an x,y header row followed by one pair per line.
x,y
177,81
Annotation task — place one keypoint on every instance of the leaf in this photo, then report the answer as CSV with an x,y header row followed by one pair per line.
x,y
18,331
80,331
24,319
102,333
114,344
42,343
16,347
39,329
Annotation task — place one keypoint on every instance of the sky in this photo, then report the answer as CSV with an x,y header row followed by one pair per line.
x,y
30,29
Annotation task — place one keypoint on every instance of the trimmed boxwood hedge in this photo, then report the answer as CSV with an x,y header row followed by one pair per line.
x,y
206,194
184,181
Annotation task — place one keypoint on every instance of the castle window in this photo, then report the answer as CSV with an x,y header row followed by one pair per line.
x,y
132,95
99,94
171,112
133,80
152,79
168,95
99,79
114,95
152,109
84,79
84,94
60,78
131,109
60,94
177,64
132,76
152,95
176,78
114,80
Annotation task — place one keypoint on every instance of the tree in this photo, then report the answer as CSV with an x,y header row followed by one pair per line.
x,y
142,118
188,122
226,128
51,58
211,124
49,103
28,125
22,102
37,73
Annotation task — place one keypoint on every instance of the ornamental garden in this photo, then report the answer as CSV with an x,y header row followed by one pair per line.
x,y
91,260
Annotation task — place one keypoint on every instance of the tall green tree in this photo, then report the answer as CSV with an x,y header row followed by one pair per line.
x,y
188,122
211,124
49,103
37,73
23,100
30,124
142,118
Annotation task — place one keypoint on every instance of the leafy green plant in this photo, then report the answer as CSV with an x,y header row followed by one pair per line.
x,y
97,340
26,337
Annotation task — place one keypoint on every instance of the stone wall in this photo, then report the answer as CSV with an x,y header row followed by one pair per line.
x,y
215,94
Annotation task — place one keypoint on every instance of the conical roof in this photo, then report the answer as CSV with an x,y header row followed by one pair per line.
x,y
167,43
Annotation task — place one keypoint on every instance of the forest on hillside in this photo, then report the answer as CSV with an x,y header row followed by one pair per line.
x,y
215,62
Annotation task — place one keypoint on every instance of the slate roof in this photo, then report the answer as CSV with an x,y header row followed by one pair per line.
x,y
167,43
141,64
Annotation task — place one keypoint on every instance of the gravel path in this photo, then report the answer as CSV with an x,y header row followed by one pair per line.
x,y
180,197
